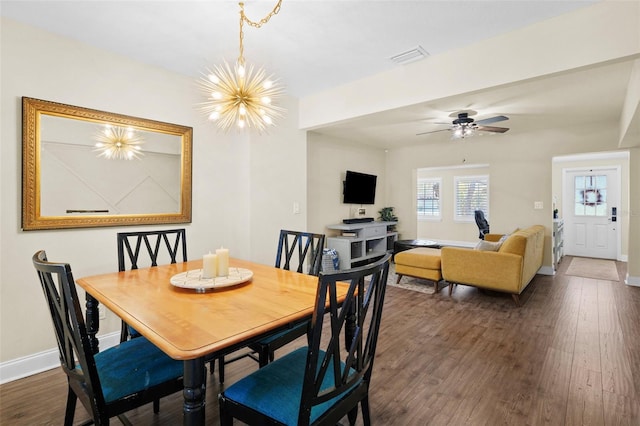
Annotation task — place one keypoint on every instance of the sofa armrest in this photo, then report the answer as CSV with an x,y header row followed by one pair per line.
x,y
487,269
493,237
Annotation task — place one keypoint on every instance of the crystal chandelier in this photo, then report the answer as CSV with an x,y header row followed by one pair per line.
x,y
119,143
242,95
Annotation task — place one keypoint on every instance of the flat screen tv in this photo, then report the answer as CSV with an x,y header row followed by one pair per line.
x,y
359,188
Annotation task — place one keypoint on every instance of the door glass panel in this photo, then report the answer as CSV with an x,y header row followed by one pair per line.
x,y
590,195
579,200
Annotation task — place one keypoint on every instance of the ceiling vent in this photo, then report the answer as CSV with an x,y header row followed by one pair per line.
x,y
415,54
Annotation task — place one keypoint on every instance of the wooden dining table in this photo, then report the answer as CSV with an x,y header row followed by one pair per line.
x,y
191,326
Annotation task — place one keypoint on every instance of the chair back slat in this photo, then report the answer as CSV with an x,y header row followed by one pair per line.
x,y
300,247
346,367
173,240
76,356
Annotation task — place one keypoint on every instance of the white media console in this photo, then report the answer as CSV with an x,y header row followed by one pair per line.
x,y
360,243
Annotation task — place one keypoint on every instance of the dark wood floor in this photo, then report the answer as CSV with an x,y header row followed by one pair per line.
x,y
569,356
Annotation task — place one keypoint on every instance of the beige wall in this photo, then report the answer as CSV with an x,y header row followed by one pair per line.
x,y
232,173
633,265
328,160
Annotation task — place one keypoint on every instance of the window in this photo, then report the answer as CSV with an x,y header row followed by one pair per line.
x,y
590,195
428,198
471,193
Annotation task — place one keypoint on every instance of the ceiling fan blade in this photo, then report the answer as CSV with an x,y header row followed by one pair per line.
x,y
492,120
433,131
492,129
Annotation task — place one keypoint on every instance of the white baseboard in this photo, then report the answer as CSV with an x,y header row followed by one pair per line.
x,y
633,281
546,270
42,361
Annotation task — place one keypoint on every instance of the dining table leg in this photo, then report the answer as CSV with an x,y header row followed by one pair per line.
x,y
194,392
92,322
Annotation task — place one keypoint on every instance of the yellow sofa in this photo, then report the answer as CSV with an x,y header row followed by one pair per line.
x,y
509,269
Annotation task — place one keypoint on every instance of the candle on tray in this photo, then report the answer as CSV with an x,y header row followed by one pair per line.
x,y
223,261
209,265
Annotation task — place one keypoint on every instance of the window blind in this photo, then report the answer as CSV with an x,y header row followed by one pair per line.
x,y
471,194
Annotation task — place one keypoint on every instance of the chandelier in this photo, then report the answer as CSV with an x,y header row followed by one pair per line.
x,y
242,95
119,143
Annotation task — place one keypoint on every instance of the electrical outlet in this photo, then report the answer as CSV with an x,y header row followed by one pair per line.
x,y
538,205
296,207
102,312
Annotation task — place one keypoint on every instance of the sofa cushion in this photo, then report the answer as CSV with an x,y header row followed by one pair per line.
x,y
421,257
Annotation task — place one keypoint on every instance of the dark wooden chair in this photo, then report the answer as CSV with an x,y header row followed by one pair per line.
x,y
111,382
321,383
146,248
296,251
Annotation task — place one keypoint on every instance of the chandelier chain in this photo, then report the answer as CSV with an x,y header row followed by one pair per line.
x,y
259,24
264,20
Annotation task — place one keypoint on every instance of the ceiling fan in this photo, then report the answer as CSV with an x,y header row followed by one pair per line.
x,y
464,126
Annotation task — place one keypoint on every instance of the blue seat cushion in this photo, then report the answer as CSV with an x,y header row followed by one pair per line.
x,y
276,389
133,366
300,328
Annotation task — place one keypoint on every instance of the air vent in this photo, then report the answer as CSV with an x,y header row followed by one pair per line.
x,y
415,54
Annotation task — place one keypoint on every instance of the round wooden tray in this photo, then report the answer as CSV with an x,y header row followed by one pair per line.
x,y
193,279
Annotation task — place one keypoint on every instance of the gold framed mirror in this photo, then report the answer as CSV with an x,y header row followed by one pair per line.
x,y
85,168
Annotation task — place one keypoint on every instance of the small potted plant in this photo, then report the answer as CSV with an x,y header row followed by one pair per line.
x,y
386,215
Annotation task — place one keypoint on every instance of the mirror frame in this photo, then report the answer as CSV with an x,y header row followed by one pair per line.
x,y
32,109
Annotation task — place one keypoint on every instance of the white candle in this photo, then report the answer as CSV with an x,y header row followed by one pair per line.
x,y
223,261
209,265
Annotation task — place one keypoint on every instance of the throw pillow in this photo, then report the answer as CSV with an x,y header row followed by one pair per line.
x,y
505,236
488,245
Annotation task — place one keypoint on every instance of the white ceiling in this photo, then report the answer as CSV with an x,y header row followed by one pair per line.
x,y
315,45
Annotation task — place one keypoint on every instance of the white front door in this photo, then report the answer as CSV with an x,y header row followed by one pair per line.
x,y
590,211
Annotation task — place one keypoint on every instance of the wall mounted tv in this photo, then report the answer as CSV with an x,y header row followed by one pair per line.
x,y
359,188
